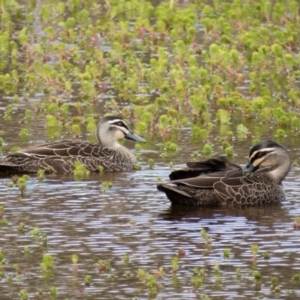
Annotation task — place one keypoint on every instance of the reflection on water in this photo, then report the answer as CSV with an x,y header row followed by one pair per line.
x,y
133,218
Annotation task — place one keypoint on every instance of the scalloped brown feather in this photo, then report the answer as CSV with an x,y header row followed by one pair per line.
x,y
60,157
218,183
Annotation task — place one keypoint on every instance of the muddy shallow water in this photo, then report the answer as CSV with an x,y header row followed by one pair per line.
x,y
133,218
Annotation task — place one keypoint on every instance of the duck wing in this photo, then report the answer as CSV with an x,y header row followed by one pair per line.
x,y
195,169
60,149
247,189
59,156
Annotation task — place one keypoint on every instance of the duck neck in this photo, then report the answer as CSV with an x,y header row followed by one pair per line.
x,y
104,139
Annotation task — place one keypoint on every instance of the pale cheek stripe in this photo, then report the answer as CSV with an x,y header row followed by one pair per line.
x,y
262,150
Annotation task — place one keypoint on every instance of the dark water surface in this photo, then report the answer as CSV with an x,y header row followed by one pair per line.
x,y
133,218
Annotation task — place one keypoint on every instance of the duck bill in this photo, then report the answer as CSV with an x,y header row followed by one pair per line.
x,y
134,137
249,168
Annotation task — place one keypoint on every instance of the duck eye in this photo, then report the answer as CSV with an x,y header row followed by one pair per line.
x,y
120,124
259,155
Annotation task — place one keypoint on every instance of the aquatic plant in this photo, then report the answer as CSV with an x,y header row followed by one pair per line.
x,y
4,222
23,294
80,171
151,284
206,237
103,265
53,292
101,169
47,263
137,167
126,259
21,227
150,163
207,149
35,232
296,224
226,253
197,278
87,280
254,250
275,285
24,133
106,185
26,250
74,259
175,264
40,175
44,239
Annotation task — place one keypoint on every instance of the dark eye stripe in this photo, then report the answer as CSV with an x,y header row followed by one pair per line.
x,y
259,155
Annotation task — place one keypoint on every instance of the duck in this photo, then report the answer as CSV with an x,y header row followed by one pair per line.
x,y
60,156
218,182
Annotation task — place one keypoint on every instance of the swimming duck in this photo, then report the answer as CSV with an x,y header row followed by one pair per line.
x,y
60,156
217,182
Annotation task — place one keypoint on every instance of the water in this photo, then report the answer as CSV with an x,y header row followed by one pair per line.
x,y
133,218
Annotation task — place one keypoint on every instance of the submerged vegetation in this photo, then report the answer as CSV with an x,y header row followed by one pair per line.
x,y
224,71
178,63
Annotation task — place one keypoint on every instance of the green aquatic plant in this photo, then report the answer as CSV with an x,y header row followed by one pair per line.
x,y
103,266
106,185
35,232
150,163
44,239
142,274
206,237
4,222
23,294
151,284
296,224
47,263
254,251
40,175
28,115
2,258
296,277
242,130
223,116
275,285
170,146
175,264
217,271
26,250
197,278
80,171
53,292
226,253
207,149
138,167
126,259
199,133
22,183
280,132
8,112
257,275
75,259
87,280
229,151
